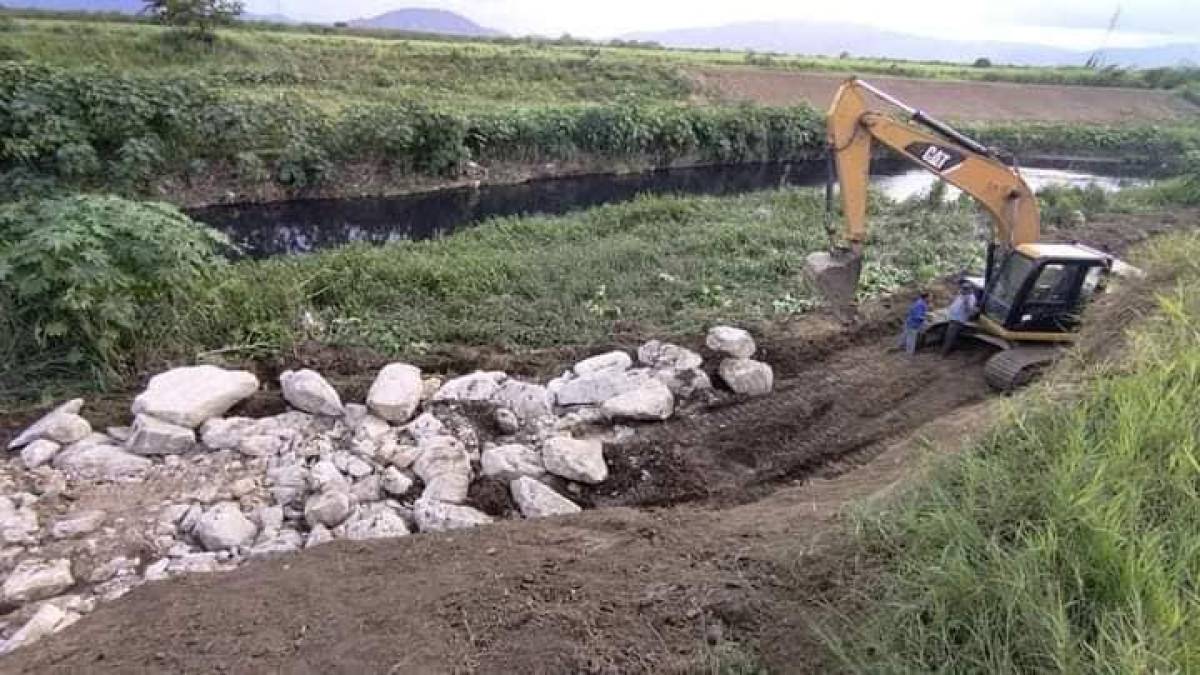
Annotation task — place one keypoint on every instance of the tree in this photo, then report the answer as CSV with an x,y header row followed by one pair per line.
x,y
195,18
983,62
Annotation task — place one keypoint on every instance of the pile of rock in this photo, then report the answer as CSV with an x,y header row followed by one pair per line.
x,y
244,488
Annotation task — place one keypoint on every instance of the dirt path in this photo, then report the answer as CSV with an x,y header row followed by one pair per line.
x,y
999,101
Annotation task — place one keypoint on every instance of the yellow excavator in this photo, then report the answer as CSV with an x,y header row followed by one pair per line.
x,y
1031,293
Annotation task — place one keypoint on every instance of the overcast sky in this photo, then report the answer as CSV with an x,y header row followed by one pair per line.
x,y
1067,23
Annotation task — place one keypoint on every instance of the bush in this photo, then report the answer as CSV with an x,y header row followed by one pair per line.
x,y
982,62
79,274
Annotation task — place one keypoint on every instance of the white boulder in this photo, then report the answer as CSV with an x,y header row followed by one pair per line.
x,y
610,361
224,527
63,425
445,468
732,341
597,387
39,452
651,401
396,392
434,516
528,401
17,524
192,395
311,393
747,377
666,356
536,500
36,580
478,386
327,508
577,460
261,445
509,462
377,521
395,482
425,426
152,436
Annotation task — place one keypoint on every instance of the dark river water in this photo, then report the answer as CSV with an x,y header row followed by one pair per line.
x,y
302,226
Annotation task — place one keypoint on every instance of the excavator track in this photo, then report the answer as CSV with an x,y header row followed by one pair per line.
x,y
1014,368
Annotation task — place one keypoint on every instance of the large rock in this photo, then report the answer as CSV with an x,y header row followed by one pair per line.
x,y
190,396
377,521
509,462
154,437
324,476
666,356
478,386
327,508
395,482
527,401
91,460
396,392
599,386
732,341
39,452
36,580
62,425
224,527
425,426
308,391
651,401
748,377
434,516
445,468
536,500
602,362
577,460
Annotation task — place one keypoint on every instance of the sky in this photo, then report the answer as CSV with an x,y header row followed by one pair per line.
x,y
1078,24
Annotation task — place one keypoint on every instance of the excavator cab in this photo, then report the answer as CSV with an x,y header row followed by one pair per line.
x,y
1039,290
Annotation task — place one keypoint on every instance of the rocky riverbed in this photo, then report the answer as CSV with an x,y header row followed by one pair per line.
x,y
86,516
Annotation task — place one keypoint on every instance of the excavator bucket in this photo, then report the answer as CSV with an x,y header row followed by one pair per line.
x,y
836,275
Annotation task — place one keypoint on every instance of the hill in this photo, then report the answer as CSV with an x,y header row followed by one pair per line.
x,y
832,39
427,21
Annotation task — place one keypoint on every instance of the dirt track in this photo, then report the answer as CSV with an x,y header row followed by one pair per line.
x,y
746,549
999,101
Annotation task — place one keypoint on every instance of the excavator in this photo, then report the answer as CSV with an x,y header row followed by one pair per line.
x,y
1031,293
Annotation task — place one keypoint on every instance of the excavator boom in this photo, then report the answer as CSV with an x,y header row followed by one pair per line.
x,y
853,131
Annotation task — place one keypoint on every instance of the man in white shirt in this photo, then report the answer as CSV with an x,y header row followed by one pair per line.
x,y
961,311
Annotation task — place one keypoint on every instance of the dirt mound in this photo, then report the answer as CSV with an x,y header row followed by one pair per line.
x,y
999,101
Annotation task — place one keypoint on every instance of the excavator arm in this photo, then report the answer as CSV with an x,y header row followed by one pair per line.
x,y
853,131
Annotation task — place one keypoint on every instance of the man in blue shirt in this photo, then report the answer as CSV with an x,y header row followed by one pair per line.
x,y
961,311
913,323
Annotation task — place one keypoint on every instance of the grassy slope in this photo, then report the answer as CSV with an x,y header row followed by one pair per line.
x,y
1068,541
658,266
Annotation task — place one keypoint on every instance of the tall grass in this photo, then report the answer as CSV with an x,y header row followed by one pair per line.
x,y
1068,540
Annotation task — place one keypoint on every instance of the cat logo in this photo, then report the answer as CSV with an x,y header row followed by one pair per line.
x,y
939,158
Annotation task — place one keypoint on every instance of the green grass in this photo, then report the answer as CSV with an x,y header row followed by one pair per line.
x,y
1068,540
659,265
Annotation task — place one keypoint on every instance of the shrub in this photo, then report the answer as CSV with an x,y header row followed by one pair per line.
x,y
80,273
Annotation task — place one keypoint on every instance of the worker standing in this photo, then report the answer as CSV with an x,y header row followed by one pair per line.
x,y
913,323
961,311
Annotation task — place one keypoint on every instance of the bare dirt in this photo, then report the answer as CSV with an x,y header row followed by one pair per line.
x,y
724,536
962,100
